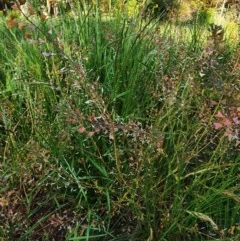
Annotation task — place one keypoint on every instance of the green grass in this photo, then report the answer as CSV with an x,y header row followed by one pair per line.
x,y
107,130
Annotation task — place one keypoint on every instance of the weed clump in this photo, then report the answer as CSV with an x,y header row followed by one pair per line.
x,y
118,128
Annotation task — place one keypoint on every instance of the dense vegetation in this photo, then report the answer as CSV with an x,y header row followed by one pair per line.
x,y
119,126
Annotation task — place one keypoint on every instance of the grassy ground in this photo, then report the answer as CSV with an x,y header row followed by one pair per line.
x,y
125,129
